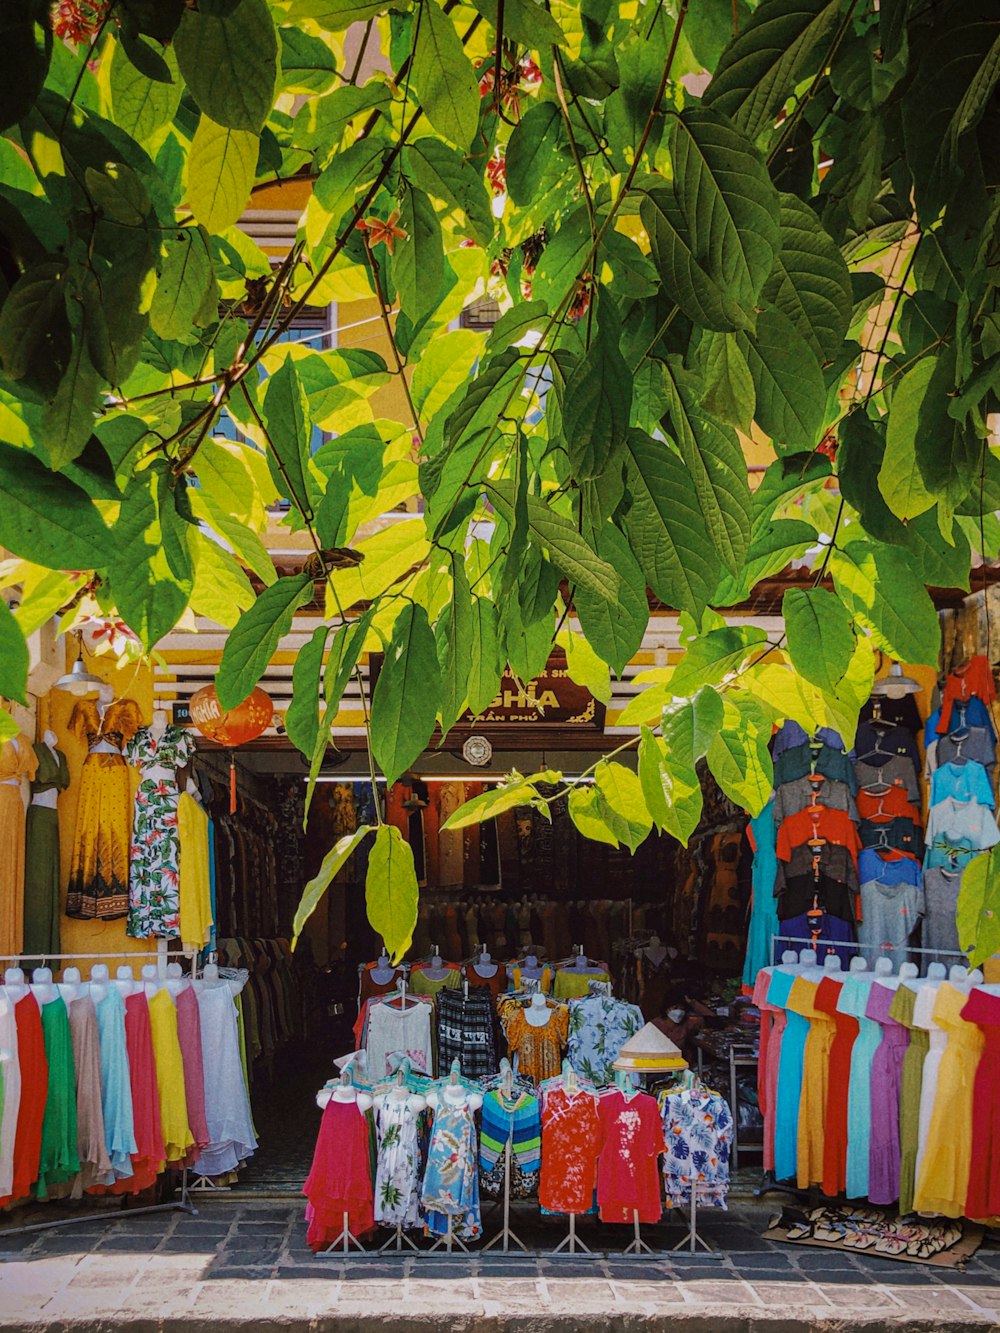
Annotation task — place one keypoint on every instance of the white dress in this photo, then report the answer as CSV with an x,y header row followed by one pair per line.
x,y
923,1017
397,1177
231,1137
399,1032
10,1072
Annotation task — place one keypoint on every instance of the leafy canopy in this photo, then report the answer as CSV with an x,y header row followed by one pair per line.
x,y
698,221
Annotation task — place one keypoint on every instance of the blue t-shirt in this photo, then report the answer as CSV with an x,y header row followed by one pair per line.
x,y
887,870
791,735
966,782
970,712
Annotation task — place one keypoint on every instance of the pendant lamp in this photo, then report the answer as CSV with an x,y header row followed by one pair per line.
x,y
78,680
896,684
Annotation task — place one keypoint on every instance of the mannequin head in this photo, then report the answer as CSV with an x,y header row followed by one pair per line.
x,y
105,694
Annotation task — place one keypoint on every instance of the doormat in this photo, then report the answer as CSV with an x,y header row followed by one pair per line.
x,y
946,1243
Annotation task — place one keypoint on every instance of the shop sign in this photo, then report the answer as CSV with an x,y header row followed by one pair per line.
x,y
551,699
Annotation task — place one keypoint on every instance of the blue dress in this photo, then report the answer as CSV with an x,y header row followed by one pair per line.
x,y
764,914
793,1045
116,1087
854,997
451,1179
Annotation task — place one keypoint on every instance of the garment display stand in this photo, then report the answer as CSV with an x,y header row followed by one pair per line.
x,y
638,1245
571,1242
180,1205
692,1239
449,1241
344,1242
398,1241
505,1235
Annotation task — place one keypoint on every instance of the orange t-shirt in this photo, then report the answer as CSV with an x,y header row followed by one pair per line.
x,y
820,822
976,677
890,805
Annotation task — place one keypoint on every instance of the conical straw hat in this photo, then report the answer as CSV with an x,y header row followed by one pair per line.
x,y
650,1049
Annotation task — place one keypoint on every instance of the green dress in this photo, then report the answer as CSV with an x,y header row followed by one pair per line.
x,y
41,856
909,1097
59,1161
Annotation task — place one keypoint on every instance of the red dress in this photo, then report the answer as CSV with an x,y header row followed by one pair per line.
x,y
628,1170
148,1158
571,1145
339,1179
984,1179
838,1079
34,1094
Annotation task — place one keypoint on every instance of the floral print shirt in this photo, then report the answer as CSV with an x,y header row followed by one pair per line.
x,y
698,1128
599,1026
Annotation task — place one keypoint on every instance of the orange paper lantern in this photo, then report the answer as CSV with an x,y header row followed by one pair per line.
x,y
243,723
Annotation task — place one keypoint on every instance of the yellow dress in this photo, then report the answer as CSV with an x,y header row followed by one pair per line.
x,y
177,1136
17,760
539,1050
815,1081
99,866
943,1177
195,885
574,983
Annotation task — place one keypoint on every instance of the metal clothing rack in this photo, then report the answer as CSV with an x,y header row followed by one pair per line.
x,y
183,1204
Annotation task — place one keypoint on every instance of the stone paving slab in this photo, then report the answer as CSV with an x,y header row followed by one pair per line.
x,y
245,1265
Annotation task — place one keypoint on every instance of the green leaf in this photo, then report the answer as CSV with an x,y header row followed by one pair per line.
x,y
766,59
621,804
728,385
221,171
788,382
454,639
586,809
977,912
940,564
150,580
302,716
186,293
418,261
307,64
443,368
254,641
714,458
443,173
35,337
714,232
524,21
484,671
715,655
899,479
68,420
140,105
820,637
407,695
884,594
738,755
46,518
505,796
220,589
287,414
666,526
514,324
443,77
537,154
335,190
391,892
563,261
13,657
668,777
595,408
615,628
810,282
556,536
230,63
335,859
584,666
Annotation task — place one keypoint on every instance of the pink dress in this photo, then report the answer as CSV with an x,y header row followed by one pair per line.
x,y
886,1085
339,1180
189,1036
628,1171
772,1026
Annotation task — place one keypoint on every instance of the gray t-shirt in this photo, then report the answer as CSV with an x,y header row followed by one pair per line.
x,y
940,902
896,769
889,916
791,797
977,745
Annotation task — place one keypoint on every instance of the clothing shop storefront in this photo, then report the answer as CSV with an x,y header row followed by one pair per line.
x,y
557,990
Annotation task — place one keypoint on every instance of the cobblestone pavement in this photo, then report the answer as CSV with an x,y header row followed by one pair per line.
x,y
246,1264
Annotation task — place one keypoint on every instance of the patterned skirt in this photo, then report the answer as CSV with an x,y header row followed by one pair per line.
x,y
98,876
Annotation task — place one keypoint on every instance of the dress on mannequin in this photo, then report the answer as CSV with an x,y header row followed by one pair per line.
x,y
42,908
17,761
98,875
154,879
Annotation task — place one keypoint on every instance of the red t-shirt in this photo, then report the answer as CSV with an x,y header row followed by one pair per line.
x,y
628,1169
890,805
34,1094
834,826
976,677
571,1145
